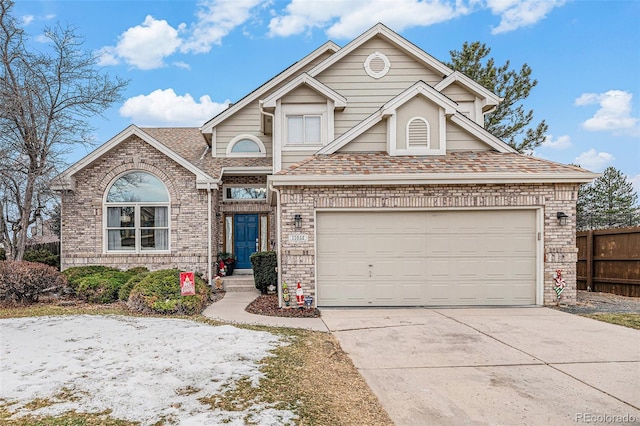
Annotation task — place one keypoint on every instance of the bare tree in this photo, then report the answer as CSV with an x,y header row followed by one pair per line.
x,y
46,98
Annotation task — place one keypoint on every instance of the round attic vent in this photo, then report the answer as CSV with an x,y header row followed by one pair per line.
x,y
377,65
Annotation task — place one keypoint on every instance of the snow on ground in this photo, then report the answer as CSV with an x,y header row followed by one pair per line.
x,y
144,369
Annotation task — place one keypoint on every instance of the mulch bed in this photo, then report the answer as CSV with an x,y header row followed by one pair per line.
x,y
267,304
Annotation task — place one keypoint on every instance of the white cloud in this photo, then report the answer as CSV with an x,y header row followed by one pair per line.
x,y
593,160
216,19
27,19
563,142
614,113
166,108
515,14
144,46
346,19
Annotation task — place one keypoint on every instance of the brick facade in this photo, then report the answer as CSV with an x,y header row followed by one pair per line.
x,y
560,252
83,212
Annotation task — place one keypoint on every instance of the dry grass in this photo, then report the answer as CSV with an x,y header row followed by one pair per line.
x,y
630,320
311,376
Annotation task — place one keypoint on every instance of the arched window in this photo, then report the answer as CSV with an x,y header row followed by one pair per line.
x,y
418,133
137,214
246,146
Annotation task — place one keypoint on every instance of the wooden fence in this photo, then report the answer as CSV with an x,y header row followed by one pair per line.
x,y
609,261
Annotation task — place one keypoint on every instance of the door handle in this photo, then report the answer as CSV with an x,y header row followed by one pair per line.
x,y
257,244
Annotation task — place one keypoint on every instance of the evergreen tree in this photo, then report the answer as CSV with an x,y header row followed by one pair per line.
x,y
509,121
608,202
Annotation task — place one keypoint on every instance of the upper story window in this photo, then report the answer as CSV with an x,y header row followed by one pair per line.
x,y
136,214
305,126
418,133
246,146
304,129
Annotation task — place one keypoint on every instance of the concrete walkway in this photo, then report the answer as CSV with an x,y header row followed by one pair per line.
x,y
231,309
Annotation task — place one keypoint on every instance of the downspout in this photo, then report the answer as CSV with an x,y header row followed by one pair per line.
x,y
278,243
278,208
209,223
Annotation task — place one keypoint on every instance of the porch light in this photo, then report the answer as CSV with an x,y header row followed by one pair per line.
x,y
562,218
297,221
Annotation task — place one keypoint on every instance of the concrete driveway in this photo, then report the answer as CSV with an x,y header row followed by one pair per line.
x,y
506,366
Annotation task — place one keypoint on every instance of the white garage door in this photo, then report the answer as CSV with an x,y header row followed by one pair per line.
x,y
426,258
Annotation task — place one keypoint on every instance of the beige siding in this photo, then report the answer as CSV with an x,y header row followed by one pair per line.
x,y
374,140
293,157
460,140
366,94
419,106
459,93
245,121
303,95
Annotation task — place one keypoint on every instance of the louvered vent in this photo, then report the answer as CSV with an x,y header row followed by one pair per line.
x,y
418,133
377,65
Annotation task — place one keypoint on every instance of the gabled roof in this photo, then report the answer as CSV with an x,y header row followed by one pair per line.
x,y
381,30
305,79
476,167
489,98
430,93
66,180
269,85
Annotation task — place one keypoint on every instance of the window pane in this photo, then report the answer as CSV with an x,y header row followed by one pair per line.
x,y
137,187
121,217
248,193
154,239
312,129
228,228
245,145
121,239
152,217
295,129
264,239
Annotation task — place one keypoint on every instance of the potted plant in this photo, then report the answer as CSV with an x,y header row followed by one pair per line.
x,y
229,261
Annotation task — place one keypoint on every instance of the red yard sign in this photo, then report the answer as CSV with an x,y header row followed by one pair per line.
x,y
187,284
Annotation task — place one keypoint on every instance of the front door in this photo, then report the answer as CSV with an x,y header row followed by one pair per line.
x,y
245,235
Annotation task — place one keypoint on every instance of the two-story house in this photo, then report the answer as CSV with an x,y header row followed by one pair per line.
x,y
365,167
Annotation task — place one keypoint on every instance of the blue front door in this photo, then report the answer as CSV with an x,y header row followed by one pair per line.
x,y
245,236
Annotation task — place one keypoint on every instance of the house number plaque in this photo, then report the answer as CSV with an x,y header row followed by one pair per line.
x,y
298,238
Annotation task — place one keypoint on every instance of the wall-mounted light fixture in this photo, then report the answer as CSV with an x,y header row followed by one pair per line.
x,y
297,221
562,218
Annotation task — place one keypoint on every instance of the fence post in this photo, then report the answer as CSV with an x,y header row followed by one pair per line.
x,y
589,259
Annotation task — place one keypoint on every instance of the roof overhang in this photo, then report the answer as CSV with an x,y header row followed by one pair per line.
x,y
489,99
429,179
66,180
339,101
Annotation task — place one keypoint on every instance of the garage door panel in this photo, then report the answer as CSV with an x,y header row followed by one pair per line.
x,y
428,258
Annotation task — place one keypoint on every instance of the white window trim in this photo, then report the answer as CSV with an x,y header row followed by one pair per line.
x,y
263,149
377,74
305,109
243,200
136,205
138,247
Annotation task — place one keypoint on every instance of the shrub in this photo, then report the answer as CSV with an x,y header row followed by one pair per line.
x,y
25,282
42,256
159,292
75,274
125,290
102,287
264,265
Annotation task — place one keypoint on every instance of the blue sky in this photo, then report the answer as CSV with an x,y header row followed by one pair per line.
x,y
187,59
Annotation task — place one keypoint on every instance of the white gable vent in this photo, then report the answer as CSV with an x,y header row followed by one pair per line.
x,y
418,133
377,65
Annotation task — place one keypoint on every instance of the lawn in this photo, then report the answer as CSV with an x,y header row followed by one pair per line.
x,y
631,320
99,365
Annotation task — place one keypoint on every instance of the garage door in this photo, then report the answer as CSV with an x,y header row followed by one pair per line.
x,y
426,258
